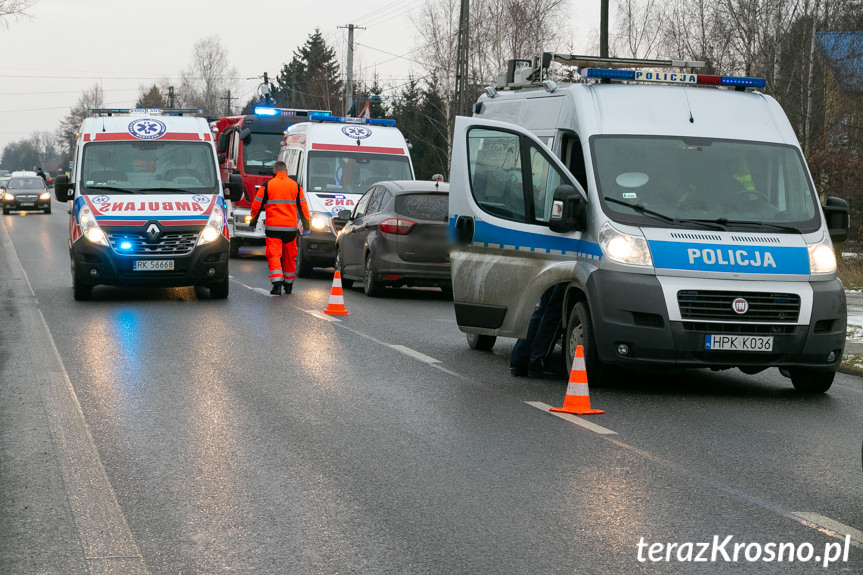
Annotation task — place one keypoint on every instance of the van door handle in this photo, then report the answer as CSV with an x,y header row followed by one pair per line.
x,y
464,229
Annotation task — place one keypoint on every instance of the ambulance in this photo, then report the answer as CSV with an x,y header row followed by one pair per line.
x,y
147,202
675,207
335,159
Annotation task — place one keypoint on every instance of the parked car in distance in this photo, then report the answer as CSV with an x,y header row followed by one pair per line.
x,y
396,235
4,181
26,191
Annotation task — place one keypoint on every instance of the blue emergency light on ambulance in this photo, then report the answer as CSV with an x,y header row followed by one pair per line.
x,y
674,208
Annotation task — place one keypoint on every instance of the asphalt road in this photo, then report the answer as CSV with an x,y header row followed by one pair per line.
x,y
161,432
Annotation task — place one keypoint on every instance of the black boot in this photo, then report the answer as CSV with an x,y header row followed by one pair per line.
x,y
288,288
277,288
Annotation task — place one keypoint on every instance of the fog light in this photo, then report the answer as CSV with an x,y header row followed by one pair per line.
x,y
832,357
93,272
211,272
622,349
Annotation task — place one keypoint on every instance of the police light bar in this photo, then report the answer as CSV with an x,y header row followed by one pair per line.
x,y
270,111
673,78
349,120
145,111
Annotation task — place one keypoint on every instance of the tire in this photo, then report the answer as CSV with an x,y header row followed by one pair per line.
x,y
80,292
808,380
480,342
579,331
234,250
47,210
304,268
5,211
371,286
346,283
220,290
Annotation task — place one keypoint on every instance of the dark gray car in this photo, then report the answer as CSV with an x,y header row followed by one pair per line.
x,y
396,236
26,193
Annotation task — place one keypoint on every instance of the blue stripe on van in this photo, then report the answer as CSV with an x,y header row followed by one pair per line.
x,y
489,235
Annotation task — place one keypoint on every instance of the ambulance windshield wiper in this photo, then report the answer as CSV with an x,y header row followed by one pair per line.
x,y
114,189
181,190
715,225
727,222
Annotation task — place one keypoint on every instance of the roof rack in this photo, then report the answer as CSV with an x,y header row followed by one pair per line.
x,y
546,58
147,111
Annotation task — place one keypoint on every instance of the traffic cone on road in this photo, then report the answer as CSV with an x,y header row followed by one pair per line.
x,y
577,400
336,304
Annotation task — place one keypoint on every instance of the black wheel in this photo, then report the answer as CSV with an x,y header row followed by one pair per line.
x,y
346,283
235,247
5,211
371,286
220,290
579,331
80,292
480,342
807,380
304,268
47,210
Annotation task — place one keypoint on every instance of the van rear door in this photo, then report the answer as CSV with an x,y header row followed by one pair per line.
x,y
504,255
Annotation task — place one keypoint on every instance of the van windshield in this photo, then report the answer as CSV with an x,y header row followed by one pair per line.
x,y
725,181
353,172
149,167
260,152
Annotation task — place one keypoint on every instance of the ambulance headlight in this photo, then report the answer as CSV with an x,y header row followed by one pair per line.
x,y
90,228
214,226
624,248
320,222
822,259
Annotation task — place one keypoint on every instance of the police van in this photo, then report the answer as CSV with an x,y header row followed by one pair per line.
x,y
147,202
676,208
335,159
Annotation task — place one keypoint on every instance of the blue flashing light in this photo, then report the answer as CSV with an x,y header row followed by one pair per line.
x,y
744,82
609,74
264,111
348,120
126,246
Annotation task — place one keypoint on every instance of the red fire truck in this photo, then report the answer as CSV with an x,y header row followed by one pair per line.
x,y
249,146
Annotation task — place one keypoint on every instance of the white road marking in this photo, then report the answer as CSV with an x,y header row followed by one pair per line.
x,y
833,527
414,354
572,419
322,315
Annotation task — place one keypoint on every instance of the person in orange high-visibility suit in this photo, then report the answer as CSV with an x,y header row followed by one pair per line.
x,y
283,200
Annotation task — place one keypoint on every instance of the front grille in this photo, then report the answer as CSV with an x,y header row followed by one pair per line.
x,y
179,243
737,328
718,306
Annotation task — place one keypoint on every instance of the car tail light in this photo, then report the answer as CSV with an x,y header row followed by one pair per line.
x,y
396,226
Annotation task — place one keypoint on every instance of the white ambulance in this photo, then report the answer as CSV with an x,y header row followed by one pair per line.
x,y
335,160
676,208
147,203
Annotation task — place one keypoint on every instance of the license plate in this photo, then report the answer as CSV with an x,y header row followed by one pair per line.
x,y
154,265
738,343
26,204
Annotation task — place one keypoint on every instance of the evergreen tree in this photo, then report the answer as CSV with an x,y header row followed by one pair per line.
x,y
420,114
312,79
151,99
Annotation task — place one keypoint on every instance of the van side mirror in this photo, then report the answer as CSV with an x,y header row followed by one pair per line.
x,y
246,135
221,158
222,145
836,214
568,211
234,187
63,190
343,216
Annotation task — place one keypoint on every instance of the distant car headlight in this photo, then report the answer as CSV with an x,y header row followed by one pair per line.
x,y
8,197
214,226
90,228
45,196
822,259
624,248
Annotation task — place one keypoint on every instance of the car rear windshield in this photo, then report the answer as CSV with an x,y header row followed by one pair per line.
x,y
423,206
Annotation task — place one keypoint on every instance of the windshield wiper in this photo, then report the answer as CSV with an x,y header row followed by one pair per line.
x,y
114,189
727,222
182,190
715,225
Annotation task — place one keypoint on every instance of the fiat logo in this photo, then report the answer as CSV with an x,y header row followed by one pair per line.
x,y
740,305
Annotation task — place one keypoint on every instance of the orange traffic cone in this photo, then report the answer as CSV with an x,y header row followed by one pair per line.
x,y
336,305
577,400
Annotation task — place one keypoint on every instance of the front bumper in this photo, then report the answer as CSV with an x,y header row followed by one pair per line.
x,y
642,323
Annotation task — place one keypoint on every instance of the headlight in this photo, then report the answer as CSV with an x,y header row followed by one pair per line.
x,y
822,259
8,197
45,196
214,226
320,222
90,228
624,248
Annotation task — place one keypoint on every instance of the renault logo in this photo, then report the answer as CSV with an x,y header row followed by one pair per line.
x,y
153,231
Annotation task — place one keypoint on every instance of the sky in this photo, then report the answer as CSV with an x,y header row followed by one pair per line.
x,y
64,47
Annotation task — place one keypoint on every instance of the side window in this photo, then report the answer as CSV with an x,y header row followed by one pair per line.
x,y
496,173
360,209
377,193
385,200
573,159
545,178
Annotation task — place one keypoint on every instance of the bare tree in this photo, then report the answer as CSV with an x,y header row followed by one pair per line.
x,y
13,9
66,133
208,78
638,35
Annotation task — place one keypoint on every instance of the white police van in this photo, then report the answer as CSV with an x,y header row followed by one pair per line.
x,y
682,219
335,159
147,202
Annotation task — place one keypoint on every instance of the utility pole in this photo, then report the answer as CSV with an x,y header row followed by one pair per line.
x,y
349,81
170,96
603,29
228,110
462,60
